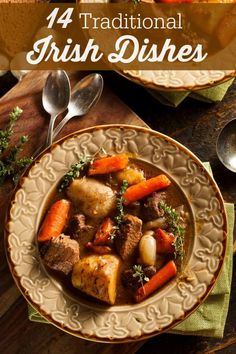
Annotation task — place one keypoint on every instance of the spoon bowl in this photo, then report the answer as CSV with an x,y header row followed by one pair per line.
x,y
85,95
226,146
56,96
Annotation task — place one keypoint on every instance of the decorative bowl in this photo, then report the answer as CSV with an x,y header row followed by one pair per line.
x,y
175,301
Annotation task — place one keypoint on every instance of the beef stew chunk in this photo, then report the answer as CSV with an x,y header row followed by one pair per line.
x,y
128,280
151,209
78,227
150,271
134,208
133,283
129,236
62,253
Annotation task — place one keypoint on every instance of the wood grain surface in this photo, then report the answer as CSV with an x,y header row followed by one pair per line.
x,y
195,124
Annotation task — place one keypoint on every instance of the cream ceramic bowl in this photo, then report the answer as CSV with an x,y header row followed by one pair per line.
x,y
172,303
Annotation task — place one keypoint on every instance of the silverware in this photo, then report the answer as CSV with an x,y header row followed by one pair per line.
x,y
85,95
56,96
226,145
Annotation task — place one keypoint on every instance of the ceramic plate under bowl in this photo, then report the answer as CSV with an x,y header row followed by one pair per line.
x,y
178,80
172,303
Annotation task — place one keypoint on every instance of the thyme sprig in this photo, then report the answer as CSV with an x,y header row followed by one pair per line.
x,y
10,164
138,272
119,209
75,171
120,203
174,222
6,134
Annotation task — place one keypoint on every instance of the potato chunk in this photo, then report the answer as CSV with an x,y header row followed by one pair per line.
x,y
131,175
97,276
92,197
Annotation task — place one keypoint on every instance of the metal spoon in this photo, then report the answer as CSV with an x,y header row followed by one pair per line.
x,y
85,95
56,96
226,145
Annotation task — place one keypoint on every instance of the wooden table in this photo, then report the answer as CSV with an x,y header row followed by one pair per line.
x,y
194,124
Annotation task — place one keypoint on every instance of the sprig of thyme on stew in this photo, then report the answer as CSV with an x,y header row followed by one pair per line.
x,y
75,171
10,164
138,272
174,221
119,209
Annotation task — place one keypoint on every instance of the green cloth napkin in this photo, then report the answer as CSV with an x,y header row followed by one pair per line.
x,y
209,319
209,95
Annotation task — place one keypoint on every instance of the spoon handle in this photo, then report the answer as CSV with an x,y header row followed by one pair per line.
x,y
50,130
61,125
54,134
38,150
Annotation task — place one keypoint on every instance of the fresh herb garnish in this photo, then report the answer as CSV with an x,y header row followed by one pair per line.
x,y
174,221
138,272
6,134
10,165
119,209
75,171
120,203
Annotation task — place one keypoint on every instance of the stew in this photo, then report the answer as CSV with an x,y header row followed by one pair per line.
x,y
116,229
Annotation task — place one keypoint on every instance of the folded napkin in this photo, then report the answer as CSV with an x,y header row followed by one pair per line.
x,y
209,95
209,319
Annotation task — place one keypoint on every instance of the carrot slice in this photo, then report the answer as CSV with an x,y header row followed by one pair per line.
x,y
108,164
144,188
164,242
55,220
98,249
160,278
103,234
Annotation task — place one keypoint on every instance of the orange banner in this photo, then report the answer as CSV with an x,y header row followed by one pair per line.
x,y
118,36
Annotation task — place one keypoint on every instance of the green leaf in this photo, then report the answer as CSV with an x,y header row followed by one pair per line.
x,y
138,272
174,223
10,166
119,209
74,171
6,134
